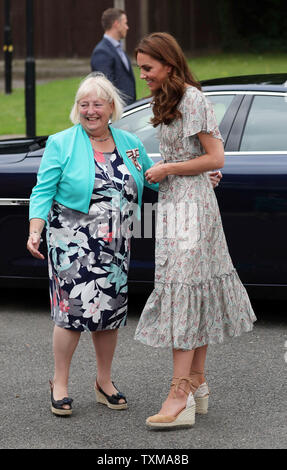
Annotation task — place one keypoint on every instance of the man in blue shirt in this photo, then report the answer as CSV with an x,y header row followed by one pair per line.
x,y
109,57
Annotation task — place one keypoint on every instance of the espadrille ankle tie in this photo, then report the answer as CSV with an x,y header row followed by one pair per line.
x,y
176,383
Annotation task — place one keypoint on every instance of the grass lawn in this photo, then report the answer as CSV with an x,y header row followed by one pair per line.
x,y
54,99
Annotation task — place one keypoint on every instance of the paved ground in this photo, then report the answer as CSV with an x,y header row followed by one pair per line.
x,y
247,377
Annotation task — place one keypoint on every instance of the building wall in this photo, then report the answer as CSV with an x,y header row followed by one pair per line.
x,y
71,28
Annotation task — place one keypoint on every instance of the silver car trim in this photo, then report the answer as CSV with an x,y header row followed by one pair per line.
x,y
257,152
242,152
210,93
131,111
14,202
254,92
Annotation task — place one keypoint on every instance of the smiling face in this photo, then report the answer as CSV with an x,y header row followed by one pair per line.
x,y
94,114
152,71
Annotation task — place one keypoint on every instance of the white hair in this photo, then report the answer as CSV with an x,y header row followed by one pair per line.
x,y
105,90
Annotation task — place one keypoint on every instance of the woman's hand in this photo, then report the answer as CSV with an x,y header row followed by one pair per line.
x,y
156,173
33,244
215,177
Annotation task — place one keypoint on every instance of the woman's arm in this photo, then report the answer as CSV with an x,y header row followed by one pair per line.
x,y
211,160
34,239
49,175
42,195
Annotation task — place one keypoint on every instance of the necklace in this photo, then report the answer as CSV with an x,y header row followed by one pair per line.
x,y
100,140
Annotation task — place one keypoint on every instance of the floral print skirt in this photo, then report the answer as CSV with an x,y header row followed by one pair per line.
x,y
88,254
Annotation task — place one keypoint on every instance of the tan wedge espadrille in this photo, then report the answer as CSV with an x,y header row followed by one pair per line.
x,y
184,418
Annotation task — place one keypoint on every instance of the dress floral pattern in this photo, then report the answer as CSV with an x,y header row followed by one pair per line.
x,y
198,297
88,254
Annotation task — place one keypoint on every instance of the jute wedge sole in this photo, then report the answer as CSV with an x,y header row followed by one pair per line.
x,y
108,400
201,405
185,418
62,412
201,396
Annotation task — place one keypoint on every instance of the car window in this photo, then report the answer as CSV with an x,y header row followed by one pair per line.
x,y
220,105
266,125
139,123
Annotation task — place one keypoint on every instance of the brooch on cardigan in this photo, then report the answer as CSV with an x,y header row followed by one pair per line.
x,y
133,154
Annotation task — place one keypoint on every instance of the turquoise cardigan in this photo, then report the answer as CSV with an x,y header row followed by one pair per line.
x,y
67,170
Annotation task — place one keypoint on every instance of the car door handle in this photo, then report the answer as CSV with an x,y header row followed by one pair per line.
x,y
14,202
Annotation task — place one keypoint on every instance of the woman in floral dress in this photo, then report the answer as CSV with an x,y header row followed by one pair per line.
x,y
198,298
89,184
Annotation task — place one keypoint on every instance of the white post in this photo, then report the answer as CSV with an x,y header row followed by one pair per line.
x,y
144,17
121,5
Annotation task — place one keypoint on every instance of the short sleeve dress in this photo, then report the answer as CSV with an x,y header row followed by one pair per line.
x,y
198,297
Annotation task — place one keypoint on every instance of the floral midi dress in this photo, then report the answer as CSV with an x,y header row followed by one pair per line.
x,y
88,254
198,297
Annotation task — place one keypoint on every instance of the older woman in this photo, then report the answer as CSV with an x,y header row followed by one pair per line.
x,y
90,181
90,178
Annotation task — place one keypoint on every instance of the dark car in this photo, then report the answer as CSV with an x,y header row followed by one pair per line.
x,y
252,196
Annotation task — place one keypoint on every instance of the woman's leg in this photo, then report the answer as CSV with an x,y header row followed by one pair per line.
x,y
175,402
198,366
105,344
64,344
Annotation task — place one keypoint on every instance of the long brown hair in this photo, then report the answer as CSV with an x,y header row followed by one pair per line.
x,y
164,48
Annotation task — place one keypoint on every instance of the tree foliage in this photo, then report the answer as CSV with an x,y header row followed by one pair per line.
x,y
252,25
